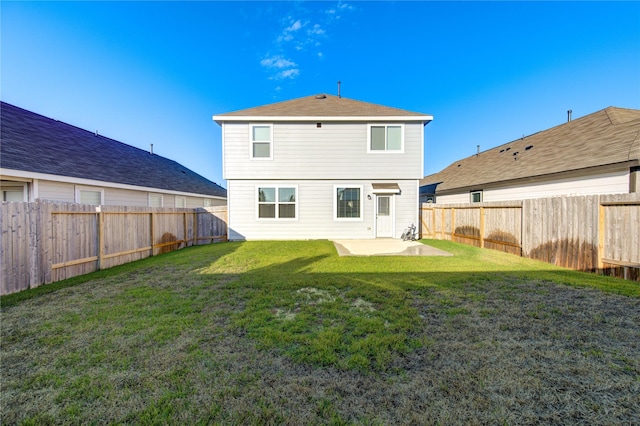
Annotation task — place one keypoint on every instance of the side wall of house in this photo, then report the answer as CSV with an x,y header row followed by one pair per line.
x,y
607,183
66,193
331,151
315,210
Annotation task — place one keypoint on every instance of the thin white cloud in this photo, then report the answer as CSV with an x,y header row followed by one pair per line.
x,y
290,73
277,62
283,67
298,34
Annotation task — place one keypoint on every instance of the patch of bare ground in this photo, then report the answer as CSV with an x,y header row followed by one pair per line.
x,y
538,353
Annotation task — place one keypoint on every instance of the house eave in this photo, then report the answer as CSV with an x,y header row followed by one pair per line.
x,y
27,176
541,178
425,119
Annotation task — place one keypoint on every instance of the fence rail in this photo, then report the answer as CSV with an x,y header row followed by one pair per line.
x,y
47,242
596,233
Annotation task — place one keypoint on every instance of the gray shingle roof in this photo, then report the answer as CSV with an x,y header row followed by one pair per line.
x,y
605,137
321,106
34,143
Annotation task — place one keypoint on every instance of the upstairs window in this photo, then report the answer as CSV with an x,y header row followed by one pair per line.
x,y
277,203
386,138
476,196
261,141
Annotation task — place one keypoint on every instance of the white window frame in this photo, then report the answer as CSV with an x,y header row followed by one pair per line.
x,y
184,201
14,187
79,189
251,141
208,202
276,187
335,203
159,195
472,193
385,151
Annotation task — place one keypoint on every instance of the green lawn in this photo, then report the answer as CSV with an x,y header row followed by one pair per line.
x,y
290,333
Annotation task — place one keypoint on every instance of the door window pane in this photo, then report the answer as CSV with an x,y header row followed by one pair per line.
x,y
384,206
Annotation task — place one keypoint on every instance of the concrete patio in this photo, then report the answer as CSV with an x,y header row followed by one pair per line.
x,y
386,247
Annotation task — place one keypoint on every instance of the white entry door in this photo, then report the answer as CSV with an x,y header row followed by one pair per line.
x,y
384,216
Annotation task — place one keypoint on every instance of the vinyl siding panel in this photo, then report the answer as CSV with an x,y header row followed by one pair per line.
x,y
125,197
315,219
609,183
56,191
333,151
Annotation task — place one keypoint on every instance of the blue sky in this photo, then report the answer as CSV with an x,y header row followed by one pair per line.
x,y
155,72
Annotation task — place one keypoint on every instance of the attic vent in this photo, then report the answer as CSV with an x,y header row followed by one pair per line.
x,y
507,149
458,165
527,148
502,150
321,96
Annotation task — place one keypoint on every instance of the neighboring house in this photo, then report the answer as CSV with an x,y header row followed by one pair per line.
x,y
595,154
46,159
322,167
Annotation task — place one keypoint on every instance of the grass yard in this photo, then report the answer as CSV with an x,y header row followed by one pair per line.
x,y
290,333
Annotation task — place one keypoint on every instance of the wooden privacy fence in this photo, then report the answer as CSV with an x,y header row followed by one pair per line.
x,y
47,242
596,233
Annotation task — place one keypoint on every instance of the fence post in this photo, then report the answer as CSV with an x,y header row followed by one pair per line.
x,y
601,230
100,220
481,227
152,233
453,223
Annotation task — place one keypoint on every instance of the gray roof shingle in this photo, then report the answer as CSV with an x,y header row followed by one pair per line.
x,y
34,143
605,137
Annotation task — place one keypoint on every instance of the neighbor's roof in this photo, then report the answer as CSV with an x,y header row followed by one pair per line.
x,y
34,143
321,106
606,137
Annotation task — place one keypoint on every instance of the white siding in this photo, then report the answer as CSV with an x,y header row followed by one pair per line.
x,y
315,211
333,151
65,192
609,183
125,197
56,191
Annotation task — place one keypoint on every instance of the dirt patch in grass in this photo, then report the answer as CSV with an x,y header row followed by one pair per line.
x,y
169,344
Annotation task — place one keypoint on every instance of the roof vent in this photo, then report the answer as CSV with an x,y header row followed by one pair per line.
x,y
321,96
527,148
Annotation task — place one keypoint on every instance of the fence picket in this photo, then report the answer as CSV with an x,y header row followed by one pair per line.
x,y
576,232
44,242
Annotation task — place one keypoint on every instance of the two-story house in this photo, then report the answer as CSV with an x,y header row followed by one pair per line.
x,y
322,167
